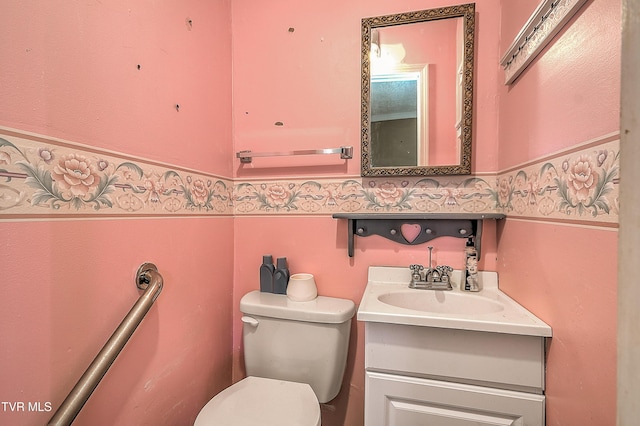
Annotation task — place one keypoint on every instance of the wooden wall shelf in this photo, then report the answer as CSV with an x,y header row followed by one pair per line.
x,y
412,229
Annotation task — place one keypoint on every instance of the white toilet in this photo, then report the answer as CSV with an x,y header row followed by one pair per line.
x,y
295,355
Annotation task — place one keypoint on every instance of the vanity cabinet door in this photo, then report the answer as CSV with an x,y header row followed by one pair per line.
x,y
392,400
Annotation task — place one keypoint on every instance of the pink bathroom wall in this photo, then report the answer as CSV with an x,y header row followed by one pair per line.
x,y
70,70
567,277
566,272
318,245
112,75
66,285
297,81
301,67
570,94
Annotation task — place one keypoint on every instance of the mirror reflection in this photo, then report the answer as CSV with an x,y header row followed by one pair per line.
x,y
397,101
417,84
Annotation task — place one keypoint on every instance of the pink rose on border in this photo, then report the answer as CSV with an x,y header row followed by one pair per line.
x,y
278,194
76,174
388,193
199,192
582,178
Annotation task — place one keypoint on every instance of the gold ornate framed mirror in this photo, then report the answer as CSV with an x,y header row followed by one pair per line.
x,y
417,92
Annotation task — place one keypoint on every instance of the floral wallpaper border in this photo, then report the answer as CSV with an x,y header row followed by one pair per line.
x,y
578,185
358,195
40,176
46,177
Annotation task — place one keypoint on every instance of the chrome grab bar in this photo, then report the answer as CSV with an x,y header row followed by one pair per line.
x,y
148,279
346,153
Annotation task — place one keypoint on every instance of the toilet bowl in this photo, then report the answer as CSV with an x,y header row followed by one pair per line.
x,y
295,355
265,402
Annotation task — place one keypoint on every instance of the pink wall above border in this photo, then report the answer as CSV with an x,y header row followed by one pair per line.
x,y
305,73
110,75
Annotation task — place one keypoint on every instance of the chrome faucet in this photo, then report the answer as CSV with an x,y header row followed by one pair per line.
x,y
438,278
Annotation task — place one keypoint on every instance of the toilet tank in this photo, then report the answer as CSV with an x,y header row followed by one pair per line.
x,y
304,342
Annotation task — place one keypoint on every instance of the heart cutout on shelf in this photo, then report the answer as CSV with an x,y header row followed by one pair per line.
x,y
410,231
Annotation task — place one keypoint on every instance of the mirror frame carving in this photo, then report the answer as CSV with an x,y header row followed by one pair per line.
x,y
465,11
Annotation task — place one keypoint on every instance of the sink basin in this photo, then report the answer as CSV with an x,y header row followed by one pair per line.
x,y
441,302
388,299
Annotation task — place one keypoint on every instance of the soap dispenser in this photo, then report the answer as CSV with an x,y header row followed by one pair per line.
x,y
471,267
267,270
281,276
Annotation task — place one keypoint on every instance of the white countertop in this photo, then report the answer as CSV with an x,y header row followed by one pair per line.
x,y
502,315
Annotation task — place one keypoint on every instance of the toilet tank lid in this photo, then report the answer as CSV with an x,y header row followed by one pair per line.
x,y
321,309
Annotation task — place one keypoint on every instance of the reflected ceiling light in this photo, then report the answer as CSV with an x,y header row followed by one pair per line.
x,y
375,43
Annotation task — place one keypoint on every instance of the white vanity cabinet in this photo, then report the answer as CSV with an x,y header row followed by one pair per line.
x,y
450,358
419,375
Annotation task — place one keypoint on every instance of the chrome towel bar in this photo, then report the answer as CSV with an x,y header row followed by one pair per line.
x,y
148,279
346,153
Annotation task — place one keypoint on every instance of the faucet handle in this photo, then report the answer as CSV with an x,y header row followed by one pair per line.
x,y
416,268
416,274
445,272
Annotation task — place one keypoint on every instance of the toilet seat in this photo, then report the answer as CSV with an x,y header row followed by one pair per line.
x,y
265,402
